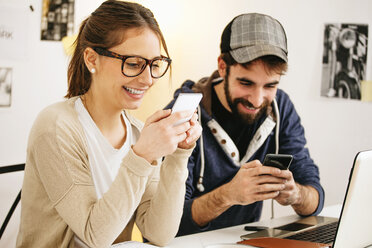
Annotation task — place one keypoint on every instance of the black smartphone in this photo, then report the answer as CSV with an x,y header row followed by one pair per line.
x,y
255,228
280,161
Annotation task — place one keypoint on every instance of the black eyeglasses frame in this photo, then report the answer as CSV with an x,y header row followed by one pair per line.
x,y
123,58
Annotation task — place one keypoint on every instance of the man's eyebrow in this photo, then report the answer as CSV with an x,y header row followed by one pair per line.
x,y
273,83
246,80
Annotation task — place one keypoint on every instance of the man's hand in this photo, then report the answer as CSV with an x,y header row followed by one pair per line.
x,y
304,199
291,193
252,183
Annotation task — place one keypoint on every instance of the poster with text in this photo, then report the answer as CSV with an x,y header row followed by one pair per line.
x,y
13,32
5,86
344,60
57,20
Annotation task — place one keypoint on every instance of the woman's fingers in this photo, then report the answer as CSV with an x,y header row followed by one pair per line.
x,y
179,117
193,133
157,116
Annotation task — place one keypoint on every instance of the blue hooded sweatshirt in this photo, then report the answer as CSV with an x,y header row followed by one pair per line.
x,y
215,159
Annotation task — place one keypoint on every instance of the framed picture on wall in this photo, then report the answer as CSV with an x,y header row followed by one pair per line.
x,y
57,20
344,60
5,86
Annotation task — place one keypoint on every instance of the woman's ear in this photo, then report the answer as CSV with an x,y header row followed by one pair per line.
x,y
91,59
221,67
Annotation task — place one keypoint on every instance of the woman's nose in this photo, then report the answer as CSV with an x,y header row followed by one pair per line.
x,y
145,77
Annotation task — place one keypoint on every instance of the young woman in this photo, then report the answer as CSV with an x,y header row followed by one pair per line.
x,y
92,170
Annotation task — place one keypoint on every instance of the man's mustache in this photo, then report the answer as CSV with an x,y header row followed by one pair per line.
x,y
247,103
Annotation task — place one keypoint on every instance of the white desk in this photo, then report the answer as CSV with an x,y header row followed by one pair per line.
x,y
231,235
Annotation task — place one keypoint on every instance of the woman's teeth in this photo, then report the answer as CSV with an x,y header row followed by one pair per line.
x,y
134,91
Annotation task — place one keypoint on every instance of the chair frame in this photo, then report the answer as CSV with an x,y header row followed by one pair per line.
x,y
8,169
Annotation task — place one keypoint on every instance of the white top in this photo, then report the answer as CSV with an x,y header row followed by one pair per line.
x,y
104,160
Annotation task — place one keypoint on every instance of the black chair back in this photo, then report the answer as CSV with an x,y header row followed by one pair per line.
x,y
8,169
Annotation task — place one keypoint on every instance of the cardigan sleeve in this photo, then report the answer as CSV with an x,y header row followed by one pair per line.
x,y
188,225
162,202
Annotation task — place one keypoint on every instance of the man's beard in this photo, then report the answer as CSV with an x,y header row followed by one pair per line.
x,y
233,104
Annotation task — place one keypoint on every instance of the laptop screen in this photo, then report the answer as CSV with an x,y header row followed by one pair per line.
x,y
355,224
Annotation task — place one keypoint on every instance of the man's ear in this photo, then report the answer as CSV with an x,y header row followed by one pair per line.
x,y
221,67
90,59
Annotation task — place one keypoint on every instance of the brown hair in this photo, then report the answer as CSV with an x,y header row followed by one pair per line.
x,y
273,64
101,29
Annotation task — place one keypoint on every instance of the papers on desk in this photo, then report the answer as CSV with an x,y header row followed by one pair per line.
x,y
132,244
227,246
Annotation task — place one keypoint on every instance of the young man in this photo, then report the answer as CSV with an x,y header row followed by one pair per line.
x,y
244,117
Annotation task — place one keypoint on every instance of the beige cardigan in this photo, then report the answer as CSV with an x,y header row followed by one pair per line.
x,y
59,199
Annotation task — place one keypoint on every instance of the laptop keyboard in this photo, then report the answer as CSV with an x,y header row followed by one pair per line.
x,y
322,234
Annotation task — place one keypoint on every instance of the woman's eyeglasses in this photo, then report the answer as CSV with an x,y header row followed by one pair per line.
x,y
133,66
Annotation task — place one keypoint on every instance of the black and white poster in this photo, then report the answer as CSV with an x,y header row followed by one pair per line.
x,y
5,86
57,19
344,60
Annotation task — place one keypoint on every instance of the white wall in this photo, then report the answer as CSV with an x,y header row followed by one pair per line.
x,y
335,129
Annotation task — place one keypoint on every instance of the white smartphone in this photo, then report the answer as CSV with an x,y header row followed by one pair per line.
x,y
186,101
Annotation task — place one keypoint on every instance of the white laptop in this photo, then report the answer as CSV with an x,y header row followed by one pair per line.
x,y
352,229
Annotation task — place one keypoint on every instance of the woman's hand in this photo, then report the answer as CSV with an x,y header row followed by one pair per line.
x,y
160,137
193,133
